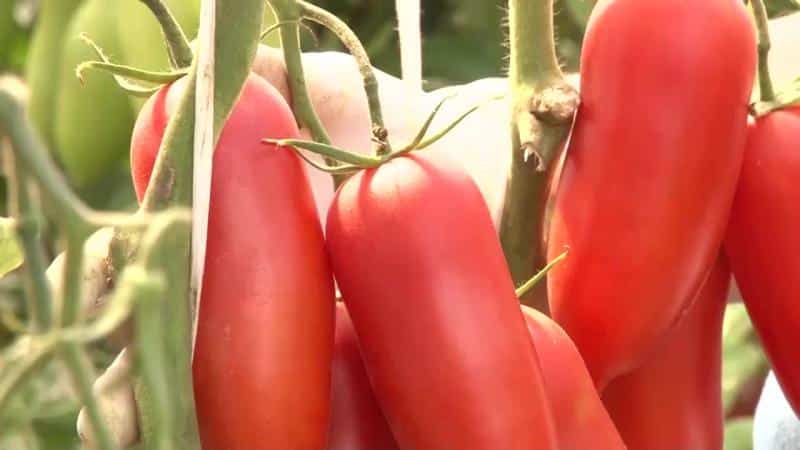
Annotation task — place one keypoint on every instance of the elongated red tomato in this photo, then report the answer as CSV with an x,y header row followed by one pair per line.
x,y
265,331
650,173
674,400
764,244
357,422
581,420
444,342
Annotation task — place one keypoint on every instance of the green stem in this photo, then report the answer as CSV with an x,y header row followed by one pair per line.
x,y
542,108
82,373
70,304
37,290
180,52
31,153
289,12
762,24
354,46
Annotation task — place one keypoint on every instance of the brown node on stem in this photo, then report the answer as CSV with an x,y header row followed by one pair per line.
x,y
555,105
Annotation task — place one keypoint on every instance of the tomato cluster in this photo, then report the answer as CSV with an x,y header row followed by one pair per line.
x,y
663,186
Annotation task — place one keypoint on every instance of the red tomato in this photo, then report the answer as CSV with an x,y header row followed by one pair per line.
x,y
265,331
357,422
763,241
674,400
581,420
650,172
426,284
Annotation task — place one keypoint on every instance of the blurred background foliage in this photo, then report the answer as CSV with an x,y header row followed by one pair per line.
x,y
463,40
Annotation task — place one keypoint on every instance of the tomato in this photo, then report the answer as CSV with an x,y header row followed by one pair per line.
x,y
674,400
265,328
581,420
650,173
763,243
357,422
92,121
44,54
423,276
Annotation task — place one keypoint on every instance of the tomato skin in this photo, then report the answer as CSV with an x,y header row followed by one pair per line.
x,y
581,420
357,422
426,284
674,400
265,332
650,172
763,243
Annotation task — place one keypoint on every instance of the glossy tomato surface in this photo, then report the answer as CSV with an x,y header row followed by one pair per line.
x,y
444,342
764,244
650,172
581,420
674,400
357,422
265,329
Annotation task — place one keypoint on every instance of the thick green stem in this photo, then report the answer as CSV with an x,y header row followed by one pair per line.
x,y
70,304
180,52
762,24
289,13
354,46
543,105
37,290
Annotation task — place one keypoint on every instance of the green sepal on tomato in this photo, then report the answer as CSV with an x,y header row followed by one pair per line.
x,y
262,360
763,244
650,172
674,400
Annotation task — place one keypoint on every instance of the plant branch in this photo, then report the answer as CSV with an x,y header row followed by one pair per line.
x,y
180,52
543,105
764,44
288,12
37,290
356,49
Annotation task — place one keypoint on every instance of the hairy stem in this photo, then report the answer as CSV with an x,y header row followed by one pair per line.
x,y
543,105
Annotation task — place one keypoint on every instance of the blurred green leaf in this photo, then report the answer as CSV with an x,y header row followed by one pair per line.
x,y
742,356
10,250
739,434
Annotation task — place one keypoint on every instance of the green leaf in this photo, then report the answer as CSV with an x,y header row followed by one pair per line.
x,y
10,250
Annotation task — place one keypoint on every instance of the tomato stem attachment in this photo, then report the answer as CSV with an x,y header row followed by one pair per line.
x,y
543,106
356,49
180,53
764,44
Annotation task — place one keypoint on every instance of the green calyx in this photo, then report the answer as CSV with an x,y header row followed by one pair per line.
x,y
352,161
123,75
